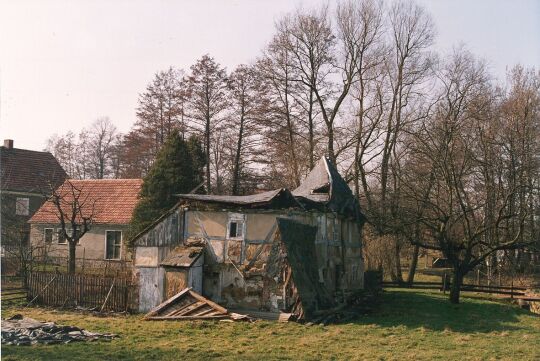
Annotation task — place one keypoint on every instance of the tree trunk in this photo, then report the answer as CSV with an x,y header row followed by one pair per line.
x,y
331,153
412,266
397,253
236,175
71,263
311,132
207,150
457,281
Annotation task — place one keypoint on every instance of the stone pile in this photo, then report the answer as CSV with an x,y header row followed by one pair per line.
x,y
19,330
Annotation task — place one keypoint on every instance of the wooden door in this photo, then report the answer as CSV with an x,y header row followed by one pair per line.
x,y
175,281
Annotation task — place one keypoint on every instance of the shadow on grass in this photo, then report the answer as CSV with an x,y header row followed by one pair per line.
x,y
414,309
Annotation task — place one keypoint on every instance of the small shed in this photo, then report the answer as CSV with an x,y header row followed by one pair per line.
x,y
183,269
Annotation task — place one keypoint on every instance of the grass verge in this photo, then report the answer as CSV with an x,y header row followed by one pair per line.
x,y
410,324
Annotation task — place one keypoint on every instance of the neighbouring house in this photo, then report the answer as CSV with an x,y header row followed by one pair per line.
x,y
277,251
114,201
25,176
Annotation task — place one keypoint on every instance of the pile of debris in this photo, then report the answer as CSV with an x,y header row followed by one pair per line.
x,y
360,303
19,330
189,305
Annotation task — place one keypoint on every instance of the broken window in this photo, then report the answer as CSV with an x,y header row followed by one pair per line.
x,y
113,244
235,228
325,189
22,206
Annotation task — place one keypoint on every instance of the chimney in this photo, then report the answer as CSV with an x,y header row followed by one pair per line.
x,y
8,143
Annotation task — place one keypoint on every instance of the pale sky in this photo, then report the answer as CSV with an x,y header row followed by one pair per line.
x,y
65,63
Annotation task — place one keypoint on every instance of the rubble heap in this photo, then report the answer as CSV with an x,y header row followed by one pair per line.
x,y
19,330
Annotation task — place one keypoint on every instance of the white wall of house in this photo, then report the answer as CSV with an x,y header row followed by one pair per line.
x,y
92,245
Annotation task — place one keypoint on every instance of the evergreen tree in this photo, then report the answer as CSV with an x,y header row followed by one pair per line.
x,y
178,168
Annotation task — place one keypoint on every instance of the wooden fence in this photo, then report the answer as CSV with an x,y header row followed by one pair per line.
x,y
93,292
445,284
13,295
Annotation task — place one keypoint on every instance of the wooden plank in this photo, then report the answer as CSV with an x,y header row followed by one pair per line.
x,y
209,312
108,294
213,304
217,317
164,304
493,291
186,310
180,308
7,293
3,290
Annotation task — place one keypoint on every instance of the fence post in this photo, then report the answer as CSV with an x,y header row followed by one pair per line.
x,y
444,283
512,288
478,277
83,257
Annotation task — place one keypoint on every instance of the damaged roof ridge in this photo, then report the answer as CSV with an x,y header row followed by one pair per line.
x,y
252,199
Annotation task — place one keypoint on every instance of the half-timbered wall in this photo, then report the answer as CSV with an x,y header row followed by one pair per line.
x,y
236,261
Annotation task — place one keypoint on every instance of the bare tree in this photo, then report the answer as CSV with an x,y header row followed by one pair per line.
x,y
103,138
457,184
320,54
70,150
281,113
75,208
161,106
245,90
207,104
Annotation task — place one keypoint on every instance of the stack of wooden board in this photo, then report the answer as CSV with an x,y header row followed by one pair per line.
x,y
187,305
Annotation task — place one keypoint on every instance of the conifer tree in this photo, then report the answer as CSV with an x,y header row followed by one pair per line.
x,y
178,168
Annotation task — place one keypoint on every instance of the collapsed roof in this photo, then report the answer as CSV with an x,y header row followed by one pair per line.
x,y
278,198
325,187
299,242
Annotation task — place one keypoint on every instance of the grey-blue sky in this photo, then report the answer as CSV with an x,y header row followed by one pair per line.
x,y
65,63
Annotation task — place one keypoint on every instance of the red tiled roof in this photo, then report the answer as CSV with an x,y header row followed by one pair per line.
x,y
28,170
114,199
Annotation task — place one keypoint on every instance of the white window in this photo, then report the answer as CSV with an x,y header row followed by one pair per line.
x,y
113,244
236,226
22,206
48,234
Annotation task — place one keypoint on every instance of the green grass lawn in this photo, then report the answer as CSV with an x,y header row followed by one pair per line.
x,y
410,324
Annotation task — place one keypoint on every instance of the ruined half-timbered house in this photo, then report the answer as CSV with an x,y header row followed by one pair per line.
x,y
278,251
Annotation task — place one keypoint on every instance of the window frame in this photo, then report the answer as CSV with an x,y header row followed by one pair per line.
x,y
120,245
58,230
68,231
45,235
19,205
238,218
